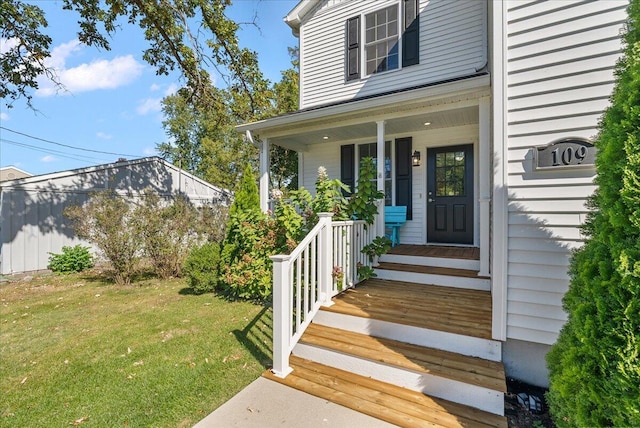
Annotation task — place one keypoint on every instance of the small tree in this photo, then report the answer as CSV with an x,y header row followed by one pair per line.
x,y
595,365
168,229
107,221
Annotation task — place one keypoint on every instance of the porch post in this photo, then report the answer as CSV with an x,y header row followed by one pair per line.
x,y
264,176
326,252
281,315
485,163
380,176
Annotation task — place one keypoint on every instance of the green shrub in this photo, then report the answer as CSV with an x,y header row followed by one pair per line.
x,y
167,229
72,259
108,222
594,368
201,267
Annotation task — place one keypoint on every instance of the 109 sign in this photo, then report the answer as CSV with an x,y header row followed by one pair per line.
x,y
565,153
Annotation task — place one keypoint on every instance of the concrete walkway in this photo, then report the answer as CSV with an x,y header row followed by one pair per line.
x,y
266,404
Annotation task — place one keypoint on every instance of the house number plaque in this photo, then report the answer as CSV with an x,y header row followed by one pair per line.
x,y
571,152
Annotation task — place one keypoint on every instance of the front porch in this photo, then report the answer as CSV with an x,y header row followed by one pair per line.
x,y
412,354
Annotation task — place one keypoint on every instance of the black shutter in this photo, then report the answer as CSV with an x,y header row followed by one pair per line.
x,y
347,165
404,174
352,59
411,34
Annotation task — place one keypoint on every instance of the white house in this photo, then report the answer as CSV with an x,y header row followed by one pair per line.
x,y
497,102
32,223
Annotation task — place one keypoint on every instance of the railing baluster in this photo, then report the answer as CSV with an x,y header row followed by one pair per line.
x,y
298,295
306,282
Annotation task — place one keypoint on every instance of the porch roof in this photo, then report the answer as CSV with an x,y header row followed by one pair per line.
x,y
444,104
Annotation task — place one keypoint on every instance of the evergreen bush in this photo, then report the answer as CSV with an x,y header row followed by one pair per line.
x,y
595,364
201,267
72,259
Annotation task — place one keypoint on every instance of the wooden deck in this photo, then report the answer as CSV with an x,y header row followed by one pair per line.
x,y
450,365
434,270
444,251
396,405
454,310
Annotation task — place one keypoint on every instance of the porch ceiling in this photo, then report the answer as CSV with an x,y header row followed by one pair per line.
x,y
447,105
366,128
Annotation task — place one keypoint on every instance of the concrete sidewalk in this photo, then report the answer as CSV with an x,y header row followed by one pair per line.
x,y
265,404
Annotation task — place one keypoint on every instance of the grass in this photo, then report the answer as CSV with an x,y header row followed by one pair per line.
x,y
76,350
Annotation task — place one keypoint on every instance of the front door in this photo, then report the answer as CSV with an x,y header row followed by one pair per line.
x,y
450,195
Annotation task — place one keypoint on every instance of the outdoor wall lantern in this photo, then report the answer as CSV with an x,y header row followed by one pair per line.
x,y
415,158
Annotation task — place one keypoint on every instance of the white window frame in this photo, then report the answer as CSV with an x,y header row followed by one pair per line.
x,y
398,37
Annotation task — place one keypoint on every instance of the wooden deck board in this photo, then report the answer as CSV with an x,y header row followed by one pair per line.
x,y
443,251
454,310
381,400
433,270
462,368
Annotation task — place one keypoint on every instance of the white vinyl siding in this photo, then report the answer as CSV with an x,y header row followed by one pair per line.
x,y
452,44
560,62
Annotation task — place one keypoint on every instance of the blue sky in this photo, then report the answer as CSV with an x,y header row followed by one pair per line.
x,y
113,99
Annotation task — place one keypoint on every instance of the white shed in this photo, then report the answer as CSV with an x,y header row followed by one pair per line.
x,y
31,221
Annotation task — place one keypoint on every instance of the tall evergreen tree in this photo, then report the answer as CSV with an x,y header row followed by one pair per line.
x,y
595,365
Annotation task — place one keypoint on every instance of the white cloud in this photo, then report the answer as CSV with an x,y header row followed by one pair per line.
x,y
48,158
4,116
149,105
7,44
153,105
171,89
98,74
104,136
150,151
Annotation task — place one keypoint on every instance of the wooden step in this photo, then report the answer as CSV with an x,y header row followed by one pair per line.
x,y
434,275
440,251
461,368
454,310
433,270
381,400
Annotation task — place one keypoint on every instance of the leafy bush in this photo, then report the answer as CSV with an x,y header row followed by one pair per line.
x,y
594,367
108,221
362,204
72,259
201,267
168,229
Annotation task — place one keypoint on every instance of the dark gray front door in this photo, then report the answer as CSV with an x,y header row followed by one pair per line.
x,y
450,195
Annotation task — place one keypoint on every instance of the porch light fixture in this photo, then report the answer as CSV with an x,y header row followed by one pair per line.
x,y
415,158
427,123
325,137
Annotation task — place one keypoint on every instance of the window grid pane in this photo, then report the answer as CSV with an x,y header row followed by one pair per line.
x,y
450,171
381,34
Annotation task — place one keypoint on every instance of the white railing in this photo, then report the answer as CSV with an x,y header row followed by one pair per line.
x,y
323,264
349,238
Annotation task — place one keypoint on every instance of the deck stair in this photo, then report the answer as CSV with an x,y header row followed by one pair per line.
x,y
446,266
396,340
391,403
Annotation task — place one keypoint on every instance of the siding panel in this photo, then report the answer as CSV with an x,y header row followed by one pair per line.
x,y
452,44
560,62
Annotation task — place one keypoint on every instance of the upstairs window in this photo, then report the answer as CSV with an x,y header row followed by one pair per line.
x,y
391,40
381,40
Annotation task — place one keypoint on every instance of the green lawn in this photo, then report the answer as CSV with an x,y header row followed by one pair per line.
x,y
75,350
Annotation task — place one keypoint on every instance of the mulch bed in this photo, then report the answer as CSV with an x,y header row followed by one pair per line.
x,y
518,412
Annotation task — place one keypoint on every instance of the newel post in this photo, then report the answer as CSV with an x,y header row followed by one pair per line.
x,y
282,315
326,259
